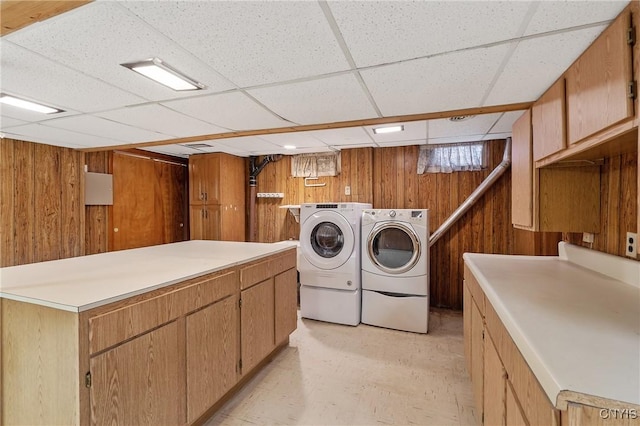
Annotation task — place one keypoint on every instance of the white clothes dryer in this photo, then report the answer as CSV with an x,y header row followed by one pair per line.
x,y
395,269
330,268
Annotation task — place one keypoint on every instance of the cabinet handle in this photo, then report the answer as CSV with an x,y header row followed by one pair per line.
x,y
206,196
206,214
202,195
202,213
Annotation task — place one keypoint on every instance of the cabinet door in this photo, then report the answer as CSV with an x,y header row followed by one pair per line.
x,y
140,382
477,357
212,355
466,316
286,304
597,83
257,323
197,179
494,385
514,414
522,173
205,222
548,122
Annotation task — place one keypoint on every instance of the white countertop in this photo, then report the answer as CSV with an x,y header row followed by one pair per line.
x,y
81,283
578,330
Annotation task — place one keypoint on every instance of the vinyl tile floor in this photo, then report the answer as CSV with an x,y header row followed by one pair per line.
x,y
340,375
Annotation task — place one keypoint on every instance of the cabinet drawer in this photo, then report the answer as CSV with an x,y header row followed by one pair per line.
x,y
261,271
110,328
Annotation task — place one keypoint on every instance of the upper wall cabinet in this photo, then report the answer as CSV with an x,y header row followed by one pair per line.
x,y
553,199
598,83
548,120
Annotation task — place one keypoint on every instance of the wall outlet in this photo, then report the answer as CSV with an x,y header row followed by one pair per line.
x,y
347,190
588,237
631,245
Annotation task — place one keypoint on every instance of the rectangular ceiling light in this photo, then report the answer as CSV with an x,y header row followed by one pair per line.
x,y
163,73
31,106
390,129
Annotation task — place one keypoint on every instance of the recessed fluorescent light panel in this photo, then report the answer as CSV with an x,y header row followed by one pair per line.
x,y
161,72
389,129
289,147
24,104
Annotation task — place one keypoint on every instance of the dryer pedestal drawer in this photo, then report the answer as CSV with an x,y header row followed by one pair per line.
x,y
400,312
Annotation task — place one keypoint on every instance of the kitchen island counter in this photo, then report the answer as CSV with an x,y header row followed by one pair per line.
x,y
80,283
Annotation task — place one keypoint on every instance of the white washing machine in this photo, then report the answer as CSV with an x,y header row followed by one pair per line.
x,y
395,269
329,266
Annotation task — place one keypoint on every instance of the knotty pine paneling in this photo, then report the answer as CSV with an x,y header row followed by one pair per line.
x,y
618,204
41,203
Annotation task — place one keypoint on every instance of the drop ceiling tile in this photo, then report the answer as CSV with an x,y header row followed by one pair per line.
x,y
412,131
480,124
7,122
553,15
62,137
442,83
28,74
505,123
247,143
250,43
346,136
160,119
85,40
233,110
381,32
297,139
531,69
454,139
97,126
325,100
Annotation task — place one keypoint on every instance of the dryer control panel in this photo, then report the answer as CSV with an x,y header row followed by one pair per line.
x,y
418,216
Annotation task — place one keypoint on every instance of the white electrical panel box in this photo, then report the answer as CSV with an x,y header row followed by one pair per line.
x,y
98,189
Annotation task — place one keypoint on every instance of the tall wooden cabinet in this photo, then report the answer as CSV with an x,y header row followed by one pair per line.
x,y
217,197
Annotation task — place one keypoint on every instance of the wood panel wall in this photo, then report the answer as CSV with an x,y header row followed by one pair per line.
x,y
618,204
41,203
275,224
387,178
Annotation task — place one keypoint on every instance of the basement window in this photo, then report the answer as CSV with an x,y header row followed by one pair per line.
x,y
315,165
452,157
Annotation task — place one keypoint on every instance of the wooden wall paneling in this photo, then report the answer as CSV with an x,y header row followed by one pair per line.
x,y
7,202
72,211
98,226
610,203
364,173
25,203
629,197
454,293
47,199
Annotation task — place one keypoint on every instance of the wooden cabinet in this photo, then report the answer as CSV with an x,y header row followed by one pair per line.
x,y
551,199
212,354
548,122
257,323
140,382
286,302
496,365
597,83
205,222
494,378
217,197
166,356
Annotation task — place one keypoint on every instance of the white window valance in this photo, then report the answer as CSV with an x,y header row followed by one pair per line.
x,y
315,165
452,157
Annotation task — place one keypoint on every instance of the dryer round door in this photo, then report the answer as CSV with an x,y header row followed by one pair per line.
x,y
393,247
327,239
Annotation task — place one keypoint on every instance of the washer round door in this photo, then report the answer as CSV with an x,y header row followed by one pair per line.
x,y
327,239
393,247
